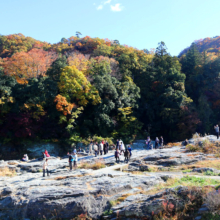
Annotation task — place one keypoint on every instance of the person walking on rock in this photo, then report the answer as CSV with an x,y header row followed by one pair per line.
x,y
117,156
157,142
121,146
70,161
126,155
75,159
90,147
45,168
95,147
148,141
217,131
105,148
129,149
101,148
117,144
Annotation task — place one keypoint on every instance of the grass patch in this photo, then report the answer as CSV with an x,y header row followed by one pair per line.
x,y
107,212
185,181
169,145
202,164
98,164
7,172
187,170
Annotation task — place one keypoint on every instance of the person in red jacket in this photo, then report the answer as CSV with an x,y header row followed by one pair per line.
x,y
46,153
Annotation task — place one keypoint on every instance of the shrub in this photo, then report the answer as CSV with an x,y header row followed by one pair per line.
x,y
7,172
192,148
98,164
212,201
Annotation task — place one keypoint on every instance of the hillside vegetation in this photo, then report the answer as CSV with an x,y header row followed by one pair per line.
x,y
80,87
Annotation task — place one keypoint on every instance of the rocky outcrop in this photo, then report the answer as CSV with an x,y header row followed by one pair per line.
x,y
65,194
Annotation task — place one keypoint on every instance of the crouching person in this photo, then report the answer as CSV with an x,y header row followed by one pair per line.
x,y
45,168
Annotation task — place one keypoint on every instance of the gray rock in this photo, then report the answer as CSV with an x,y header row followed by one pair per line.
x,y
204,169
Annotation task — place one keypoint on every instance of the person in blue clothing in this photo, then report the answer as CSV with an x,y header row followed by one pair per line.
x,y
129,149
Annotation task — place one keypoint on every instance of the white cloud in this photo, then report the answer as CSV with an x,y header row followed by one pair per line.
x,y
107,2
100,7
117,7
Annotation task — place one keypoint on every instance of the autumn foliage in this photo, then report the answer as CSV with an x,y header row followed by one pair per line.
x,y
28,65
62,105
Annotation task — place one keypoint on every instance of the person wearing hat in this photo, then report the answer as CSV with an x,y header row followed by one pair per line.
x,y
25,158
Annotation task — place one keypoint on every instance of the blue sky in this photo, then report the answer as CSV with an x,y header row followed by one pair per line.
x,y
141,23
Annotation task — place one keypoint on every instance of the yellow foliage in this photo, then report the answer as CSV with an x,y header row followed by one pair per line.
x,y
74,84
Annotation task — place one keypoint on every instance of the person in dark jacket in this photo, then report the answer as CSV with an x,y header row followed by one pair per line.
x,y
185,143
117,144
117,156
157,142
217,131
126,155
70,161
105,148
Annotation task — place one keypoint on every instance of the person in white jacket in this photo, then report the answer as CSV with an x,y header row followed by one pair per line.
x,y
45,168
75,159
121,146
101,147
95,147
90,147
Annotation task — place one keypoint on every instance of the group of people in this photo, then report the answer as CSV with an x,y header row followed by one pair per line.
x,y
158,142
120,150
102,147
73,158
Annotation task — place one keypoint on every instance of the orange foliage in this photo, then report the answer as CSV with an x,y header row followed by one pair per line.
x,y
62,105
28,65
78,60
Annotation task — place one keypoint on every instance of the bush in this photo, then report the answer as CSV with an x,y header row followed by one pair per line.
x,y
98,164
7,172
192,148
212,201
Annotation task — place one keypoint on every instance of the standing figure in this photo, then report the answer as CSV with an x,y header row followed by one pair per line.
x,y
126,155
95,147
101,148
70,161
90,147
157,142
161,141
129,149
148,142
121,146
105,148
45,168
117,156
217,131
75,159
117,144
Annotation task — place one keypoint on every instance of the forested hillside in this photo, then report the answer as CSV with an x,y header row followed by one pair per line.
x,y
84,87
